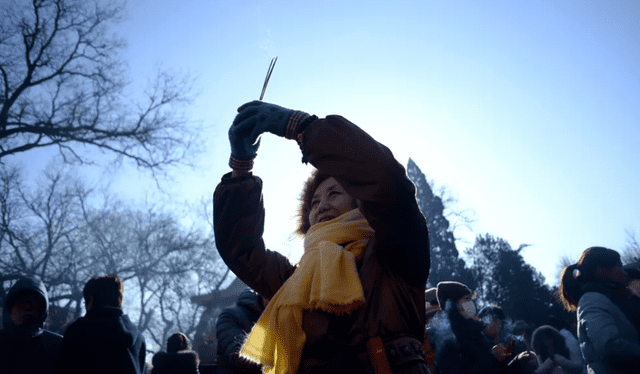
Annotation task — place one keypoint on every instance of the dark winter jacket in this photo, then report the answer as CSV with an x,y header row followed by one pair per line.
x,y
461,346
394,268
103,341
182,362
30,350
234,323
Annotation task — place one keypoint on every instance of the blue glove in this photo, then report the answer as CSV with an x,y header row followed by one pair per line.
x,y
254,119
259,117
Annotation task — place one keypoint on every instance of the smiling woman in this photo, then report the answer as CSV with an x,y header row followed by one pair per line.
x,y
323,200
358,291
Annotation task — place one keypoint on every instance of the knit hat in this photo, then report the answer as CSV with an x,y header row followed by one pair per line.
x,y
451,291
430,296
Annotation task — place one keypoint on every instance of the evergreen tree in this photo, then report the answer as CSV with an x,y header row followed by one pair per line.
x,y
446,264
505,279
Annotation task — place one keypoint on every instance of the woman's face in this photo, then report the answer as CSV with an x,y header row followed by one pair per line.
x,y
615,274
466,307
329,201
494,327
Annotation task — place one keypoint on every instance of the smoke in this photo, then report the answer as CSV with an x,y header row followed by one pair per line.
x,y
440,331
267,43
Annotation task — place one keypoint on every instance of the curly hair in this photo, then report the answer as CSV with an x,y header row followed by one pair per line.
x,y
305,200
306,196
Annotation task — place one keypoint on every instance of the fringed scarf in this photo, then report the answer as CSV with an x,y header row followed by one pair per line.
x,y
326,278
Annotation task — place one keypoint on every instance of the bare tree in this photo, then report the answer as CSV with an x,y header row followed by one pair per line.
x,y
62,84
65,233
631,251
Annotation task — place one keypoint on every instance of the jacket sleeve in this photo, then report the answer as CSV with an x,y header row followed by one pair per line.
x,y
238,216
230,335
368,171
595,314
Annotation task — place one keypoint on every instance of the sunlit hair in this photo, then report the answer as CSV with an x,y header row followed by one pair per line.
x,y
574,276
177,342
306,196
106,290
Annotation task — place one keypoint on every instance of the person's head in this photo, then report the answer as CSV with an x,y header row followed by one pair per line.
x,y
177,342
458,293
595,264
322,199
26,304
103,290
493,317
546,341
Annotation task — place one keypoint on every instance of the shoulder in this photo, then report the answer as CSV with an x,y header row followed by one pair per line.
x,y
592,302
594,297
52,337
75,327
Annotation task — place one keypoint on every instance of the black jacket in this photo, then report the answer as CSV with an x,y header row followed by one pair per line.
x,y
183,362
461,346
103,341
234,323
33,350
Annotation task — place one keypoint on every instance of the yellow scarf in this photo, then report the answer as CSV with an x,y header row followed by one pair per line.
x,y
326,278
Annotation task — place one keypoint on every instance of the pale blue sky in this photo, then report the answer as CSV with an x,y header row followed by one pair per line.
x,y
528,111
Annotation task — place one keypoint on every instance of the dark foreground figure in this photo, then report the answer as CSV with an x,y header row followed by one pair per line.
x,y
232,327
355,301
104,340
178,359
25,346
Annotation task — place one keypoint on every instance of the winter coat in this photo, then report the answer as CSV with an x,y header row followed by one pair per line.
x,y
182,362
574,346
609,342
233,324
394,268
103,341
27,351
461,346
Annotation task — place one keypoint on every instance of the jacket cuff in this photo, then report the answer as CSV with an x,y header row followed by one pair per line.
x,y
293,124
240,164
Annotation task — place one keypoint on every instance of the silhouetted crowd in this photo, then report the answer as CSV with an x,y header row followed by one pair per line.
x,y
103,341
355,302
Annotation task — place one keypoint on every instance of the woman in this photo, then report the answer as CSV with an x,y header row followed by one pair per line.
x,y
608,313
457,334
554,357
179,358
355,301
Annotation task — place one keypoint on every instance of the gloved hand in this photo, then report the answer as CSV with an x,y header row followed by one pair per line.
x,y
257,117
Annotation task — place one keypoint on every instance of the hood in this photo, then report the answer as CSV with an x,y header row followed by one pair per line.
x,y
25,284
101,323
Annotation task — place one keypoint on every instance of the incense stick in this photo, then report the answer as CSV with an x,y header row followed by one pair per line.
x,y
266,80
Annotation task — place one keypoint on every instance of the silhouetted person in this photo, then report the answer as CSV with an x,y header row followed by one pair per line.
x,y
234,323
457,335
25,346
104,340
178,359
